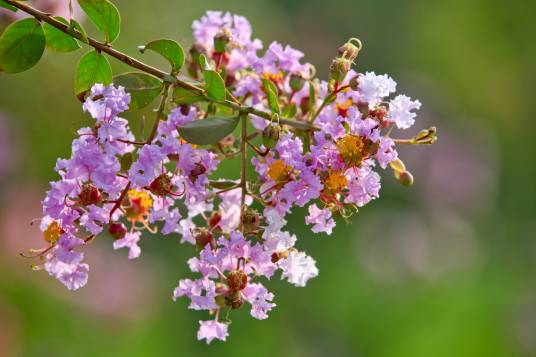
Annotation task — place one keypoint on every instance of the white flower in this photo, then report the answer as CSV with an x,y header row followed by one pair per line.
x,y
400,111
298,268
374,88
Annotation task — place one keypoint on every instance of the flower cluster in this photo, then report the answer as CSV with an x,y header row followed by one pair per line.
x,y
321,149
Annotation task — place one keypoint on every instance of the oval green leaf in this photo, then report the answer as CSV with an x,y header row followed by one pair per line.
x,y
58,40
184,96
208,131
169,49
92,68
75,25
271,94
21,46
104,15
8,6
142,87
214,85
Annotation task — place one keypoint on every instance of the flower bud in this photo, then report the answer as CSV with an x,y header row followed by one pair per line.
x,y
339,68
203,237
161,186
305,106
349,51
296,82
198,170
405,178
214,220
89,195
234,300
250,220
270,135
221,40
220,300
354,83
117,230
237,280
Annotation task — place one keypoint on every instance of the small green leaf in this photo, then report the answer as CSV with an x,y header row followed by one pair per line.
x,y
8,6
290,111
58,40
75,25
21,46
104,15
271,94
142,87
92,68
184,96
221,185
208,131
312,97
169,49
214,85
126,161
203,62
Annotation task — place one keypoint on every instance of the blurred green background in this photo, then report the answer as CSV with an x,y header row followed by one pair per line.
x,y
444,268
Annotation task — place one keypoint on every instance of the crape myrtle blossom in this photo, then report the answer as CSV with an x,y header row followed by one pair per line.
x,y
322,150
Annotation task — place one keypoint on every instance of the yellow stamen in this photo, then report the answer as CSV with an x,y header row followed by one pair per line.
x,y
336,181
53,232
351,149
278,171
140,204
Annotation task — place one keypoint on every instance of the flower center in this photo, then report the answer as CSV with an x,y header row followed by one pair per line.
x,y
53,232
278,171
335,181
351,149
140,203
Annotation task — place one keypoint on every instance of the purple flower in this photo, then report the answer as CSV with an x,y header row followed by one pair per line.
x,y
321,219
298,268
260,299
373,88
130,241
210,330
400,111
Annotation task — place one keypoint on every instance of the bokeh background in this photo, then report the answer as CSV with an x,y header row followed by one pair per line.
x,y
444,268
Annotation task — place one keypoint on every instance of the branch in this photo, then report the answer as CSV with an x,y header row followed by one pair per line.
x,y
134,63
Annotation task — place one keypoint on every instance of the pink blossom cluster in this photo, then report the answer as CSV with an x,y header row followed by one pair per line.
x,y
116,184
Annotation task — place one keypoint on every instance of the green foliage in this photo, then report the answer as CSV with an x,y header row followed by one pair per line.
x,y
142,87
75,25
8,6
214,84
57,40
104,15
170,50
21,46
208,131
92,68
184,96
271,93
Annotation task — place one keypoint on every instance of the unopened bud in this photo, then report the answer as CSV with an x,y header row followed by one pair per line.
x,y
221,40
89,195
214,220
203,237
117,230
237,280
405,178
354,83
161,186
296,82
234,300
339,68
198,170
349,51
250,220
270,135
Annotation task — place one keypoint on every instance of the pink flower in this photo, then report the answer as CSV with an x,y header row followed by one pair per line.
x,y
210,330
130,241
321,219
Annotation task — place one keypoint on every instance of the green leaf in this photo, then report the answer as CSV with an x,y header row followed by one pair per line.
x,y
92,68
184,96
75,25
290,111
21,46
271,94
203,62
221,185
214,85
208,131
8,6
142,87
58,40
312,97
169,49
104,15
